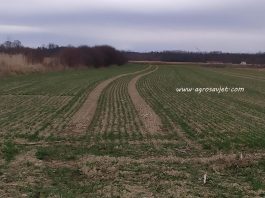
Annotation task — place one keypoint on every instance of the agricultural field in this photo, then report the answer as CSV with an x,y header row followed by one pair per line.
x,y
126,132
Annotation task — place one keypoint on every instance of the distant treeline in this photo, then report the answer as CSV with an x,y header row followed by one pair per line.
x,y
98,56
204,57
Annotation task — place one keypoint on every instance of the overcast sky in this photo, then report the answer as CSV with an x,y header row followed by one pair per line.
x,y
138,25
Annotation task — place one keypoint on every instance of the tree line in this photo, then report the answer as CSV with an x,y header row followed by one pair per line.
x,y
103,56
202,57
97,56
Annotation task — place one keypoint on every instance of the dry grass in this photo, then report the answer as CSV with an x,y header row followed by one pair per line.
x,y
17,64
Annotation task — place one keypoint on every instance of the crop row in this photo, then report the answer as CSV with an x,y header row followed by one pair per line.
x,y
59,83
116,118
43,104
223,121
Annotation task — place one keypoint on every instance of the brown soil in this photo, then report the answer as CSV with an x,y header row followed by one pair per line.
x,y
83,117
150,119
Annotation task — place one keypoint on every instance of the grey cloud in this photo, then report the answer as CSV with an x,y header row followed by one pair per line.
x,y
229,26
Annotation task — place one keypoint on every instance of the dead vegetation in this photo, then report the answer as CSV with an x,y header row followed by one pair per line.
x,y
129,177
17,64
18,59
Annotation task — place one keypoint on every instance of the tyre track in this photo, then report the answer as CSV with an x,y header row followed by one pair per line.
x,y
152,122
83,117
177,129
123,119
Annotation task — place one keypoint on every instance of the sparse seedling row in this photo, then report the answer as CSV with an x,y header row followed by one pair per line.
x,y
216,121
116,118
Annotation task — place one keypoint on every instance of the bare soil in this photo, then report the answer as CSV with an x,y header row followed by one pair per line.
x,y
150,119
83,117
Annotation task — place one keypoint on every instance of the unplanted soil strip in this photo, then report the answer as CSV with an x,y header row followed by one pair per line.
x,y
83,117
150,119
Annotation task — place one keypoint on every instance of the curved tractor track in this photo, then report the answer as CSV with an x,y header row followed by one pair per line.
x,y
83,117
152,122
150,119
